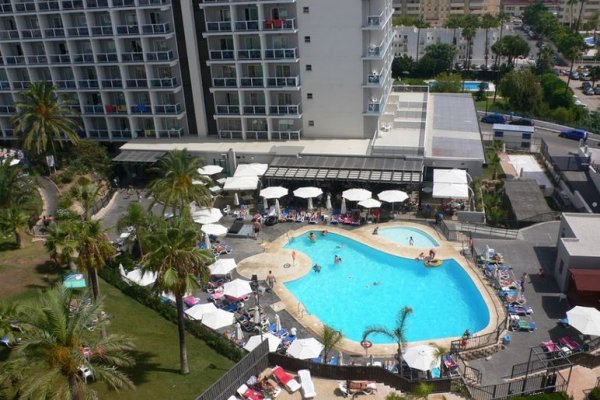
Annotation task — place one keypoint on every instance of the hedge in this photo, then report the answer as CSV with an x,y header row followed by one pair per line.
x,y
149,299
594,394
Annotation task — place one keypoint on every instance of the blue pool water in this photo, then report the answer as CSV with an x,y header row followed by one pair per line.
x,y
444,299
402,235
469,86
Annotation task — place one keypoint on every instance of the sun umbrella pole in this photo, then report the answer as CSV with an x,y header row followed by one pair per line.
x,y
310,203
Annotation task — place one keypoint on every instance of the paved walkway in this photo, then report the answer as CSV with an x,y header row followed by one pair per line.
x,y
50,194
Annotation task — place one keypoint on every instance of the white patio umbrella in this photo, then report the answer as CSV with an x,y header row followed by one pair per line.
x,y
328,202
218,319
370,203
222,266
304,349
356,194
308,192
212,229
273,192
199,310
204,216
237,288
422,357
392,196
277,323
254,341
343,207
585,319
210,170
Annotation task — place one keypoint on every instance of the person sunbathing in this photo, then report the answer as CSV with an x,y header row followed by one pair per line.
x,y
421,256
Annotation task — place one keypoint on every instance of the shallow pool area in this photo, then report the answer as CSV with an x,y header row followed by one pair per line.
x,y
369,287
470,86
402,235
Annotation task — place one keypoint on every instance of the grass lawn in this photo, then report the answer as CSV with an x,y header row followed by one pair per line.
x,y
492,107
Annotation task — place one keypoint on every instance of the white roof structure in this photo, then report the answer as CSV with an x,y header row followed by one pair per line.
x,y
254,169
210,170
450,183
237,183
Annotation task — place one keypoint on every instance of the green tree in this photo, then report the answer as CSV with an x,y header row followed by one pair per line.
x,y
522,89
14,220
532,12
454,22
14,189
403,20
176,186
329,338
595,74
90,156
437,58
471,23
180,266
46,363
502,18
511,47
571,46
403,65
43,118
398,333
86,195
447,83
139,219
545,60
488,21
422,390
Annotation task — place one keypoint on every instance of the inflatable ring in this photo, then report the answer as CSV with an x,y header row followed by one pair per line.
x,y
436,262
366,344
287,265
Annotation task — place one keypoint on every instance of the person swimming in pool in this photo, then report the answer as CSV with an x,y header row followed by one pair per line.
x,y
337,259
316,268
312,237
376,283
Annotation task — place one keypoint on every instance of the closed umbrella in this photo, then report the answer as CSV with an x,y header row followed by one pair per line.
x,y
585,319
328,202
198,311
304,349
308,192
356,194
277,208
256,318
277,323
210,170
254,341
218,319
392,196
237,288
204,216
343,208
265,203
422,357
222,266
238,331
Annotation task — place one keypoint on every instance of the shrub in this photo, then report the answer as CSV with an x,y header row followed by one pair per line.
x,y
394,396
544,396
82,180
64,214
594,394
149,299
65,200
67,176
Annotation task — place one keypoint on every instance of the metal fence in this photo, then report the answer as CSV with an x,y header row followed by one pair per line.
x,y
451,231
551,382
479,341
103,201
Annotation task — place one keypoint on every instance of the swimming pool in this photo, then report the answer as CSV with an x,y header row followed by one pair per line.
x,y
402,235
445,300
470,86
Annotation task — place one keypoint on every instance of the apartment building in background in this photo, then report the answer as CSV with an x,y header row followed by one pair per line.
x,y
435,12
515,8
566,11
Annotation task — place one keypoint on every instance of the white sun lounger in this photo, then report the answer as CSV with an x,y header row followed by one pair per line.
x,y
308,387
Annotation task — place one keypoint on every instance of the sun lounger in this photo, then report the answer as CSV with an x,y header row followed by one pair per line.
x,y
519,310
450,363
436,373
308,387
250,394
235,228
550,347
358,387
285,379
191,301
520,325
282,333
568,342
564,322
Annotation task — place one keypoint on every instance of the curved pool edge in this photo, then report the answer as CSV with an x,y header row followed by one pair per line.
x,y
276,256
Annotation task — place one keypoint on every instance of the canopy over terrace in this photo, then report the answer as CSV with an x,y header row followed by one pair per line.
x,y
139,156
450,183
365,169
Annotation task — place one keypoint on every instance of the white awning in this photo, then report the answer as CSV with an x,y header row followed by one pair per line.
x,y
236,183
254,169
450,183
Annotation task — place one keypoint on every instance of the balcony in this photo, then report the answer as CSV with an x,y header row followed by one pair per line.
x,y
252,82
112,83
255,110
249,54
98,134
132,57
107,58
78,31
49,5
7,35
136,83
170,133
60,58
374,79
54,32
230,134
286,135
160,55
83,58
290,109
14,60
168,109
31,33
9,132
279,24
141,109
243,26
25,7
37,59
281,54
155,29
221,54
115,108
7,110
121,134
224,82
128,30
225,109
164,83
378,51
376,21
93,109
257,135
154,2
292,81
373,108
72,4
5,8
65,84
218,26
4,85
123,3
102,30
89,84
96,3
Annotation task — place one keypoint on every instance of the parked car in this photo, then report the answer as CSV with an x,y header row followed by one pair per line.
x,y
597,90
521,122
588,91
494,119
585,85
575,75
585,76
458,66
576,134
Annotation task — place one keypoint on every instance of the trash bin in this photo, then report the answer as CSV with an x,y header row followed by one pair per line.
x,y
506,340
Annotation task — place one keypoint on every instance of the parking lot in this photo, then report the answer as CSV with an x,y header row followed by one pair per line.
x,y
592,101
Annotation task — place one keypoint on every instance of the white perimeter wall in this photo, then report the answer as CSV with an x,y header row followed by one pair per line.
x,y
335,52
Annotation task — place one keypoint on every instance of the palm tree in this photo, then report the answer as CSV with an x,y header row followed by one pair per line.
x,y
502,18
59,241
488,21
139,219
180,266
14,220
454,22
86,195
419,24
329,338
8,319
398,333
46,363
176,186
42,118
471,23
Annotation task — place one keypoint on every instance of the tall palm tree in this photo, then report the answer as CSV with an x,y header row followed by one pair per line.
x,y
502,18
86,195
46,363
14,188
60,242
329,338
139,219
42,118
419,24
180,266
471,23
176,186
454,22
398,333
14,220
488,21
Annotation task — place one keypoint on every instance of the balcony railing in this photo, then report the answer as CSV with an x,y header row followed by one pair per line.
x,y
278,54
93,109
123,3
164,82
168,109
5,8
37,59
249,54
121,134
78,31
89,84
291,109
292,81
154,29
221,54
60,58
255,110
252,82
102,30
83,58
170,133
9,35
72,4
49,5
374,79
4,85
257,135
228,109
96,3
160,55
115,108
107,57
154,2
279,24
31,33
286,135
218,26
137,83
373,108
14,60
376,21
230,134
141,109
246,26
7,109
25,7
98,134
65,84
9,132
224,82
128,30
112,83
132,57
54,32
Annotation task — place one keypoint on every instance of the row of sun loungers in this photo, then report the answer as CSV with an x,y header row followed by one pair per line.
x,y
266,386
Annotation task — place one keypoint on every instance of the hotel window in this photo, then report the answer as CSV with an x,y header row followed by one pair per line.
x,y
309,96
305,10
306,39
311,123
309,67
